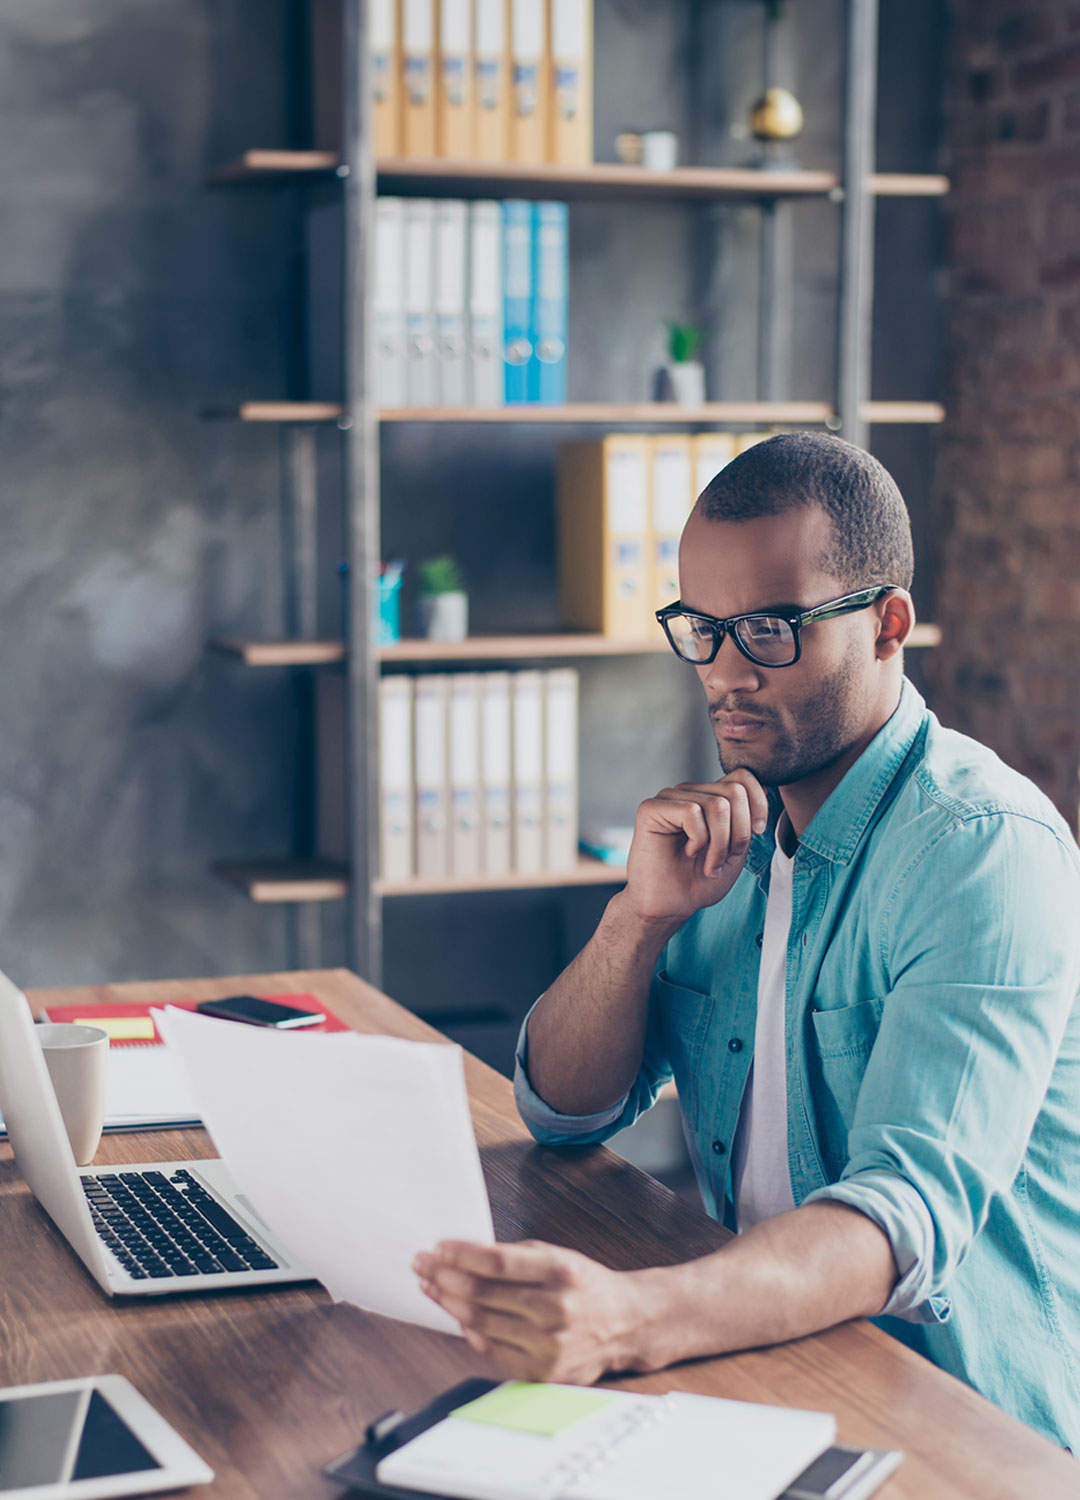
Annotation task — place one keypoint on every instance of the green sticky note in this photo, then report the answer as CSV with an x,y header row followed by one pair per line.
x,y
544,1410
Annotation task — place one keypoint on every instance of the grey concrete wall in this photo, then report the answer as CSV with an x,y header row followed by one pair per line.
x,y
131,531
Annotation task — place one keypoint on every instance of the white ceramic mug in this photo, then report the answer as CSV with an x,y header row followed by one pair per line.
x,y
659,150
77,1058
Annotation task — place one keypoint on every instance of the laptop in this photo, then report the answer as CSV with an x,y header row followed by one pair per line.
x,y
143,1230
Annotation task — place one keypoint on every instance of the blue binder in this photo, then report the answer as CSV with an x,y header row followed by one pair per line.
x,y
517,298
547,369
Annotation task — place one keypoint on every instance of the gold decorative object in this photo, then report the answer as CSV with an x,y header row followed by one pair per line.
x,y
777,116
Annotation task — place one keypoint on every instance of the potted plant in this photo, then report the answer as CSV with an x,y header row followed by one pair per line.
x,y
685,372
443,604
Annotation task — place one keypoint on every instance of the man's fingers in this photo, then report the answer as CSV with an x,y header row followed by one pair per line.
x,y
535,1264
523,1300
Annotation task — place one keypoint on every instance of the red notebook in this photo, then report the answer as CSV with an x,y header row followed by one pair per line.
x,y
146,1090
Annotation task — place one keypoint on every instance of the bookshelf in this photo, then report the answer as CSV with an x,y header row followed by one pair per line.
x,y
355,424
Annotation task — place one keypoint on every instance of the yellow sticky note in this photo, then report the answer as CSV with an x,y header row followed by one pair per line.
x,y
523,1406
122,1028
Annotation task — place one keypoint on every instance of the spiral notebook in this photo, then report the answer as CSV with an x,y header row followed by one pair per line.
x,y
522,1441
146,1090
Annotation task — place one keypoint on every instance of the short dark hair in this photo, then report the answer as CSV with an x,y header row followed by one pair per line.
x,y
871,528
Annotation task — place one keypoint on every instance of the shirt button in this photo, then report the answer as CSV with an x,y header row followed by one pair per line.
x,y
718,1148
735,1045
759,939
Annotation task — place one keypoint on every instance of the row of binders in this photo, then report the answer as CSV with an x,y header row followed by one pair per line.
x,y
623,502
483,80
478,774
470,302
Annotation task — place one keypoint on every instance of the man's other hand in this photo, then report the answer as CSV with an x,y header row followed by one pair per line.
x,y
690,845
539,1312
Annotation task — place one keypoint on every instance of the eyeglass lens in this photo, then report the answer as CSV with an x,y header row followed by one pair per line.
x,y
768,638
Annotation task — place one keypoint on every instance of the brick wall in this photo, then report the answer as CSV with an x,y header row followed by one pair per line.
x,y
1007,546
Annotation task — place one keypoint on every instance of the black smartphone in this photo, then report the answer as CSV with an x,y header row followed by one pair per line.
x,y
843,1473
255,1012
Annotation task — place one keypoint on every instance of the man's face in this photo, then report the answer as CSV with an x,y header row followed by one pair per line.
x,y
781,723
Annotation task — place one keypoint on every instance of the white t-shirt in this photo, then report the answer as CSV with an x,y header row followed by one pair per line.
x,y
761,1174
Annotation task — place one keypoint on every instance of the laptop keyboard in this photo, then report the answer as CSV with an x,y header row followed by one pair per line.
x,y
160,1226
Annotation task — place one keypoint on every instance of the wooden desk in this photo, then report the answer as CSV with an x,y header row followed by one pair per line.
x,y
268,1386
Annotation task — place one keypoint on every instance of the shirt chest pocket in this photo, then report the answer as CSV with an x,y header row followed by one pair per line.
x,y
684,1015
840,1045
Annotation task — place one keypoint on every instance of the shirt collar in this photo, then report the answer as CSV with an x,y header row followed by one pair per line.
x,y
838,825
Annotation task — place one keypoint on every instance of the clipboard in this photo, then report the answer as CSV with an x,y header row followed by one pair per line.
x,y
356,1469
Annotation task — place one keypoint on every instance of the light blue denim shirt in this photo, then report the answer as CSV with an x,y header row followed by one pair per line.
x,y
933,1050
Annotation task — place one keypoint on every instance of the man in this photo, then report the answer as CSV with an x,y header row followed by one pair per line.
x,y
858,954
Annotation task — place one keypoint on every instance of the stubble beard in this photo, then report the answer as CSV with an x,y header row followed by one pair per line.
x,y
825,727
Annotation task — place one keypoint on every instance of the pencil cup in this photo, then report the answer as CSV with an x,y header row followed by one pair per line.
x,y
77,1058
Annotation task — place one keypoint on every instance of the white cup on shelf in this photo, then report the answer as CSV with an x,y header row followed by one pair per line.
x,y
659,150
77,1058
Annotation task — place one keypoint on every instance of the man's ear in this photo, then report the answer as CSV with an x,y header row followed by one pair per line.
x,y
896,620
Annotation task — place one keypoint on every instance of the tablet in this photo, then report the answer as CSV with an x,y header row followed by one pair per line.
x,y
89,1439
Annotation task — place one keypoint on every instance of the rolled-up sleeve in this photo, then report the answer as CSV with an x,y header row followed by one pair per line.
x,y
551,1128
982,988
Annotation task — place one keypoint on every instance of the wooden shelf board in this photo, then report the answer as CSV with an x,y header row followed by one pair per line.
x,y
643,413
279,653
586,872
267,166
267,880
273,880
518,647
661,413
434,177
925,635
909,185
295,653
277,411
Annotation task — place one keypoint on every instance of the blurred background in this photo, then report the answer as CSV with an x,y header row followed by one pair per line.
x,y
154,281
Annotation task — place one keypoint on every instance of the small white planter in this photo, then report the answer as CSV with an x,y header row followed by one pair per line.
x,y
444,617
688,382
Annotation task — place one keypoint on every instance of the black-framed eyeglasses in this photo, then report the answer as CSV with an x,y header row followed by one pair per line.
x,y
770,638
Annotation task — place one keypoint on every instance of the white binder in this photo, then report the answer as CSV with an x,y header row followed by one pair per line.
x,y
389,372
421,383
526,692
496,843
530,105
561,768
450,289
492,93
395,779
464,774
429,745
485,384
572,77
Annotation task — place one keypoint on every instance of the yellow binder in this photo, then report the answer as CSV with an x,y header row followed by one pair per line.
x,y
419,41
571,82
672,497
492,81
531,63
603,515
455,132
384,22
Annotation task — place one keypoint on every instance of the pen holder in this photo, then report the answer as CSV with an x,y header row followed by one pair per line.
x,y
388,609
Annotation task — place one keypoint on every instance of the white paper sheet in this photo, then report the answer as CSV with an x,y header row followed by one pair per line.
x,y
356,1151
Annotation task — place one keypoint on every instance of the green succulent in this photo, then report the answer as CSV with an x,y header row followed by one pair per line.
x,y
684,341
440,575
